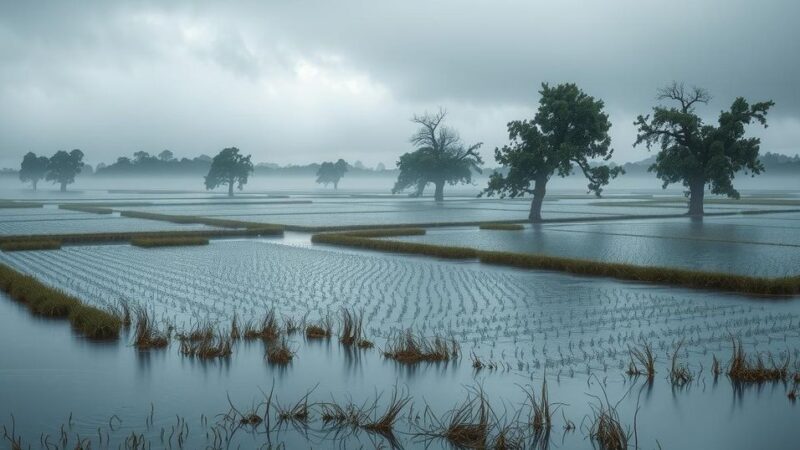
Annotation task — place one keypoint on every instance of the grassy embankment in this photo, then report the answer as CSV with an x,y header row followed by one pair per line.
x,y
629,272
16,204
41,300
168,242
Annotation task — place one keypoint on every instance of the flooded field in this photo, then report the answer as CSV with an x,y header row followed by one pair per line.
x,y
515,329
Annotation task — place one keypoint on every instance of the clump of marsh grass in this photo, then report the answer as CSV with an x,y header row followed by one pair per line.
x,y
178,241
541,411
146,334
606,428
352,330
385,423
479,364
94,323
409,348
291,325
743,369
208,347
122,311
268,329
716,367
298,413
642,361
679,373
468,425
321,329
279,353
236,332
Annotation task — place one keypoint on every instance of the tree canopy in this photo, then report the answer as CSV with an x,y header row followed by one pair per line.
x,y
330,172
568,130
63,167
229,167
697,154
441,157
33,168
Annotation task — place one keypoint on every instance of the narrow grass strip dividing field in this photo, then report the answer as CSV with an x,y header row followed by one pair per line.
x,y
16,204
661,275
169,242
94,323
33,244
501,226
39,242
86,208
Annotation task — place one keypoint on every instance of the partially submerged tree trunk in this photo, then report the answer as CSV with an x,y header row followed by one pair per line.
x,y
439,193
539,190
230,188
696,194
34,183
335,185
63,187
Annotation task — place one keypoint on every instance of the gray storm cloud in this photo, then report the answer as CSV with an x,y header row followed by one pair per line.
x,y
305,81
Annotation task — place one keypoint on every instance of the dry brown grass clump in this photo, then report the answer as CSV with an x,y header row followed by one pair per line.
x,y
501,226
385,423
541,412
409,348
321,329
207,347
468,425
352,330
146,334
30,245
268,329
643,361
607,429
743,369
679,374
279,353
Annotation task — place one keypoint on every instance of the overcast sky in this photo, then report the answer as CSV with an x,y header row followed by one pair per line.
x,y
301,81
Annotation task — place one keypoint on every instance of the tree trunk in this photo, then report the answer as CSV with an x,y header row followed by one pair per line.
x,y
439,193
539,190
335,185
63,187
696,193
34,182
230,188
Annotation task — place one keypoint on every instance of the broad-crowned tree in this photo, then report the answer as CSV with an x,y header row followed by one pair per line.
x,y
440,158
63,167
569,129
330,172
33,169
697,154
229,167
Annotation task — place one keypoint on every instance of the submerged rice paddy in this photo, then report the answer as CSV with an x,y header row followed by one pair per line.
x,y
246,342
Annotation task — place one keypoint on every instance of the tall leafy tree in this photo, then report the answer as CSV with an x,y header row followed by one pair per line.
x,y
697,154
440,158
568,130
229,167
63,167
330,172
33,169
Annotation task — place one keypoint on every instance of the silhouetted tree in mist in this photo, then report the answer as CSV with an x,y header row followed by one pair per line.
x,y
440,158
63,167
329,172
697,154
33,169
229,167
568,130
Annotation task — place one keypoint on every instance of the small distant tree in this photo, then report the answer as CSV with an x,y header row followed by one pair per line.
x,y
166,155
568,130
329,172
229,167
63,167
33,169
696,154
440,158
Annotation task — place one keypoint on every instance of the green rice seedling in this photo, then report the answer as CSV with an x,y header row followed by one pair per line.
x,y
643,361
168,242
146,335
207,348
743,369
279,353
385,423
30,245
94,323
409,348
321,329
679,374
268,329
501,226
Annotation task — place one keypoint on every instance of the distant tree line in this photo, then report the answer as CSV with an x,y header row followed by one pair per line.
x,y
569,132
